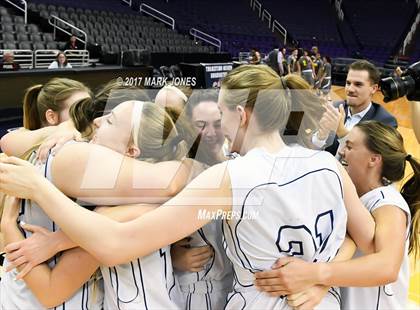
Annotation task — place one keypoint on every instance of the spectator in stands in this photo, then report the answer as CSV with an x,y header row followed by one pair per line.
x,y
8,62
361,84
60,62
72,44
291,61
255,57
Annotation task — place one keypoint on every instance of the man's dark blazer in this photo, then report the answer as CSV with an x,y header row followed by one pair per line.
x,y
376,113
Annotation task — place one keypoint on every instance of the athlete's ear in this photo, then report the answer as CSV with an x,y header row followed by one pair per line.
x,y
51,117
243,115
375,160
133,151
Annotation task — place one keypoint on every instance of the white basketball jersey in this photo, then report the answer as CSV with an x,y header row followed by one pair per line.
x,y
390,296
144,283
287,204
207,289
15,294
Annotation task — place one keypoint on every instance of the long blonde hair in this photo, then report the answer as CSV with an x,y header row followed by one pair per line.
x,y
158,137
276,98
247,83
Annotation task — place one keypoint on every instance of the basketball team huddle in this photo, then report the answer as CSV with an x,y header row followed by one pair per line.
x,y
116,199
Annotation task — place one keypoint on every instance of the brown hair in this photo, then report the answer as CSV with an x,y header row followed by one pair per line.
x,y
86,110
200,151
39,98
388,142
364,65
58,62
198,96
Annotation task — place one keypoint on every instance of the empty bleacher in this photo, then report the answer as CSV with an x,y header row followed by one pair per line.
x,y
379,24
15,34
234,24
121,31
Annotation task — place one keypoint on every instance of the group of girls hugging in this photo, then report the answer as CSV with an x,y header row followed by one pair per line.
x,y
105,194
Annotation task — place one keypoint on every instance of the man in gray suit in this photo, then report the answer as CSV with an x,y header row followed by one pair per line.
x,y
361,83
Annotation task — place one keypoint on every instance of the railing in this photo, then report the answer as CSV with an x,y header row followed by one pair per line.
x,y
23,57
277,26
267,16
77,58
24,9
206,38
339,10
244,56
146,9
53,20
256,5
28,59
43,58
129,2
410,34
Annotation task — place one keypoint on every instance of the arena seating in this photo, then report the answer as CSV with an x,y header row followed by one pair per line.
x,y
113,28
236,25
116,27
371,32
416,40
380,25
15,34
318,16
121,31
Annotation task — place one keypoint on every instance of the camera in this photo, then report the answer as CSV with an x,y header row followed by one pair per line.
x,y
406,85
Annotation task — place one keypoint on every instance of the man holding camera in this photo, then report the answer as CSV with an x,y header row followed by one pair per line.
x,y
361,83
410,79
